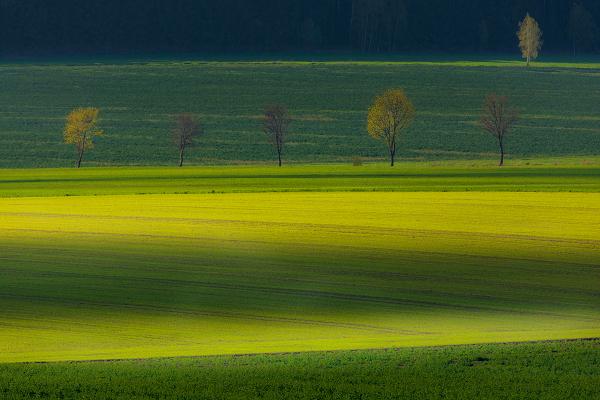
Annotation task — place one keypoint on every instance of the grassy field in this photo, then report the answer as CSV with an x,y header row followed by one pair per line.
x,y
340,263
136,276
540,175
525,371
329,100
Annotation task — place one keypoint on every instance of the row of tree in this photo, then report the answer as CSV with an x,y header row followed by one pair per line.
x,y
75,26
393,112
389,116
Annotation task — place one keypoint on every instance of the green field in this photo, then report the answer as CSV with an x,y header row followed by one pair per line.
x,y
321,279
329,99
538,371
107,276
534,175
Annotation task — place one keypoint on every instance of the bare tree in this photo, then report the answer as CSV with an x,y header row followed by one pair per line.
x,y
276,122
498,119
185,129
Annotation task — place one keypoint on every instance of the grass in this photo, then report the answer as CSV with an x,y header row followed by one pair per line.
x,y
132,276
146,264
541,175
562,370
329,100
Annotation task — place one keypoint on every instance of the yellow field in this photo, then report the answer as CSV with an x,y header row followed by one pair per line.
x,y
169,275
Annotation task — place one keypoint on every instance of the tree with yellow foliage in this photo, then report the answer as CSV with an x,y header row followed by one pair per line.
x,y
530,38
391,113
80,130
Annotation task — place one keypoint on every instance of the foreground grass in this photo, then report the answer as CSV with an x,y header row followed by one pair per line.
x,y
329,102
173,275
560,370
541,175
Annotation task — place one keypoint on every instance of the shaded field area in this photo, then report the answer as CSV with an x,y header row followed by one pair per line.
x,y
329,101
535,175
104,277
559,370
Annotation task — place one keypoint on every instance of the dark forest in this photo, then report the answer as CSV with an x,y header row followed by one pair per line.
x,y
47,27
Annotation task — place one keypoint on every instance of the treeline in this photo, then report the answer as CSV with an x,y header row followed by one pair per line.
x,y
30,27
390,115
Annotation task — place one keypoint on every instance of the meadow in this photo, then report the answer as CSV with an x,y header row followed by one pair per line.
x,y
329,99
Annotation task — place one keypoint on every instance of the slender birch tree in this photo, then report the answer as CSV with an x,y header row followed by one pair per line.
x,y
530,38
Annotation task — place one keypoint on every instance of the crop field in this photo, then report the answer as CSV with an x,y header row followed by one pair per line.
x,y
541,371
304,200
215,261
328,99
106,276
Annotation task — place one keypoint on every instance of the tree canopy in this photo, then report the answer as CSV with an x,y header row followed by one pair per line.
x,y
391,113
530,38
583,29
276,122
185,129
80,130
81,27
498,118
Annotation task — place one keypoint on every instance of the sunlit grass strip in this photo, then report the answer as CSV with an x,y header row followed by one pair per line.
x,y
535,175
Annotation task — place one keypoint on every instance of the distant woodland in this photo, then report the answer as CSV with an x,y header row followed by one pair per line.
x,y
48,27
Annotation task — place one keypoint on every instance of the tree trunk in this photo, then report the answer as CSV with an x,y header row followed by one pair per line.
x,y
279,157
81,149
528,61
80,158
501,154
181,158
392,148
